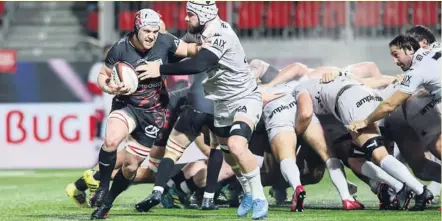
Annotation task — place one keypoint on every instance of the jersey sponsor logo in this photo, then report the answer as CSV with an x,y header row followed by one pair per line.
x,y
219,42
281,108
368,99
242,109
430,105
152,85
406,80
151,131
217,35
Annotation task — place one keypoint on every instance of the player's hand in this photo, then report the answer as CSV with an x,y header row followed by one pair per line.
x,y
399,78
355,126
112,88
329,76
268,97
148,70
263,86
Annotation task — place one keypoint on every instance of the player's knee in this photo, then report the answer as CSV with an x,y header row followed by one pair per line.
x,y
153,164
111,143
130,167
239,131
236,145
372,144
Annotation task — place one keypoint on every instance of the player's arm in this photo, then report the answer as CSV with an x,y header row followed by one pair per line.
x,y
186,49
202,61
289,73
410,84
387,106
304,113
104,80
375,82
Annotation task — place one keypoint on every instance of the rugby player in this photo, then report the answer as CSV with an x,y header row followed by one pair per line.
x,y
422,69
140,117
237,101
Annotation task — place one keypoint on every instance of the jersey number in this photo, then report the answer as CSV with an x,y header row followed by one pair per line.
x,y
436,56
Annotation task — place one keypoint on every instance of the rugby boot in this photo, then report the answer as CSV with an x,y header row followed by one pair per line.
x,y
78,196
245,206
151,201
298,199
422,200
260,209
98,198
91,182
101,212
403,198
352,205
387,198
208,204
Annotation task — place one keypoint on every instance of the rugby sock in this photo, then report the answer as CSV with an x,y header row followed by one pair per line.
x,y
290,172
97,175
213,167
119,184
188,186
80,184
178,178
337,177
163,175
396,169
374,186
244,184
106,161
254,179
378,175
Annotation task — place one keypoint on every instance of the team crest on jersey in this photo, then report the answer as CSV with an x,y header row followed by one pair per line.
x,y
419,57
406,80
177,42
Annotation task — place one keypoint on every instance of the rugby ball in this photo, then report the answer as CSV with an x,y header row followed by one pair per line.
x,y
123,72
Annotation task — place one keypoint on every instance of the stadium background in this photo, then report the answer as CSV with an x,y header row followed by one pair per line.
x,y
48,48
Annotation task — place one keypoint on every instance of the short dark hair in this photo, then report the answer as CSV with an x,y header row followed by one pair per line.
x,y
405,42
420,32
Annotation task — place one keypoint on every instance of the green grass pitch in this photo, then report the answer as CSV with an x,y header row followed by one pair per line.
x,y
39,195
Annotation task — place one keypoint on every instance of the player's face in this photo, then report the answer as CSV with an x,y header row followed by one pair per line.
x,y
401,57
148,36
424,44
192,22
